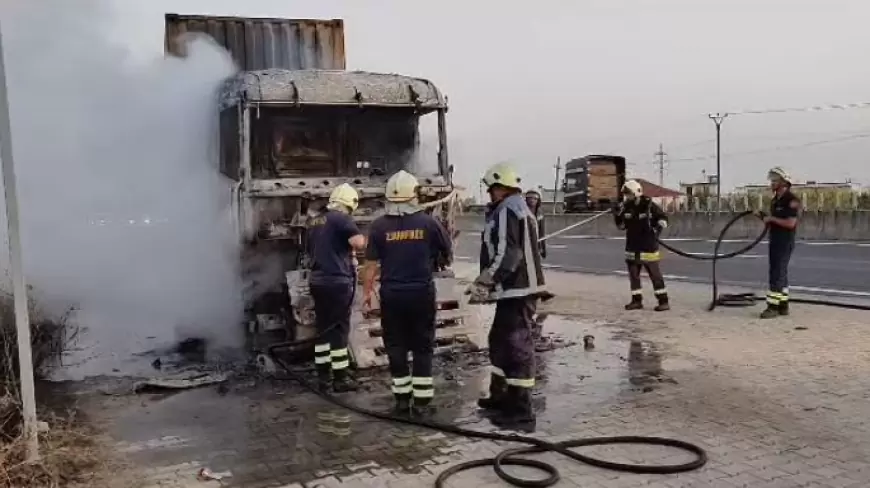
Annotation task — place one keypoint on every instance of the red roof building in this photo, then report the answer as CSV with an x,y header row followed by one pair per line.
x,y
655,191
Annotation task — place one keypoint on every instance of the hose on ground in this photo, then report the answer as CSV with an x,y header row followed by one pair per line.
x,y
510,457
744,299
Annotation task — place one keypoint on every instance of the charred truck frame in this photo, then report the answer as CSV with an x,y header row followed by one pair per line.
x,y
289,135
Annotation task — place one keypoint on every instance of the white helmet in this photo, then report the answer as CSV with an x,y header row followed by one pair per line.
x,y
502,174
632,188
778,172
344,195
402,187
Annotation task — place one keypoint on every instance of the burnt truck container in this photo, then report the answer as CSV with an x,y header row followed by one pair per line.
x,y
593,183
294,124
262,43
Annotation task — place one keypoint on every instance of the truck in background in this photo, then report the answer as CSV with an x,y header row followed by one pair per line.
x,y
293,125
593,183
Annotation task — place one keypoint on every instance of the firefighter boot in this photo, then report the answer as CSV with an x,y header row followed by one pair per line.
x,y
636,303
517,412
497,392
772,311
324,377
663,305
783,308
402,408
422,408
342,382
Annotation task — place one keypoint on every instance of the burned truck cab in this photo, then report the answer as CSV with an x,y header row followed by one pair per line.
x,y
288,137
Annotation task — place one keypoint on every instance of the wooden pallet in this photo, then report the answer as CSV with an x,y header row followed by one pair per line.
x,y
457,327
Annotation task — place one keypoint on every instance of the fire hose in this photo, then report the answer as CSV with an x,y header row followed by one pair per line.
x,y
508,457
743,299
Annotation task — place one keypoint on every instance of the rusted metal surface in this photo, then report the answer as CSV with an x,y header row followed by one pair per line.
x,y
344,88
261,43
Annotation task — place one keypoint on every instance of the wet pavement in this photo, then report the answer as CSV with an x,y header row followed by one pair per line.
x,y
776,404
267,432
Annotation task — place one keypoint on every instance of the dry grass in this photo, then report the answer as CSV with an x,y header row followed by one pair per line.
x,y
68,449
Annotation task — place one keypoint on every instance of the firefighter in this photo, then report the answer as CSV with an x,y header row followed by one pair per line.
x,y
642,221
333,238
533,200
782,223
408,244
511,275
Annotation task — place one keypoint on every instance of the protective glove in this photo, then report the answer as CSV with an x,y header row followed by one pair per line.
x,y
481,287
663,224
543,254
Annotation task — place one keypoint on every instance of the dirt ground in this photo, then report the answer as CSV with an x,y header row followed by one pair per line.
x,y
775,403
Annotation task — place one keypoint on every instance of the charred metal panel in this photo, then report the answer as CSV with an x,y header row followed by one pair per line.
x,y
261,43
323,87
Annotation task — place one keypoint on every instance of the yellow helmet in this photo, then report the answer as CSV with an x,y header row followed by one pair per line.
x,y
502,174
632,188
402,187
778,172
345,195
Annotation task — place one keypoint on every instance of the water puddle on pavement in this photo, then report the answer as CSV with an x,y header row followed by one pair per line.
x,y
262,430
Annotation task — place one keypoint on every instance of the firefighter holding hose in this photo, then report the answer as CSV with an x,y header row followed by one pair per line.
x,y
782,224
332,239
408,244
510,275
642,220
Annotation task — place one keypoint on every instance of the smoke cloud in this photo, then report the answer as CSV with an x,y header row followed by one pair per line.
x,y
124,212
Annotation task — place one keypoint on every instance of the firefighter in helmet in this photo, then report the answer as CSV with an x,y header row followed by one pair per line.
x,y
781,223
333,237
642,221
512,276
407,243
533,200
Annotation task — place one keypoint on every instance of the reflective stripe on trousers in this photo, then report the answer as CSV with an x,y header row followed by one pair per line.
x,y
777,298
647,257
402,386
321,354
340,358
423,387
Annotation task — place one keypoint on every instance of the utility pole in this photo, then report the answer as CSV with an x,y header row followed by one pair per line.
x,y
717,119
556,185
16,268
661,162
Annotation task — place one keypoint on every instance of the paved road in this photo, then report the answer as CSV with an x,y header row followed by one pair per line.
x,y
818,268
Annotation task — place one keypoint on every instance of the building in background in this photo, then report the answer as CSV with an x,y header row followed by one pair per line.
x,y
815,195
668,199
701,189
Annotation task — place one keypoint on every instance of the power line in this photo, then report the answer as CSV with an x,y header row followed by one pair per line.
x,y
777,148
816,108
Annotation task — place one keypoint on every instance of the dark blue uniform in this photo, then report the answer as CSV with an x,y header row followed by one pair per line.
x,y
409,247
332,281
781,244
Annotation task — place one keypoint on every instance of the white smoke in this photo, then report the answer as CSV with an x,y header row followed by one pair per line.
x,y
124,212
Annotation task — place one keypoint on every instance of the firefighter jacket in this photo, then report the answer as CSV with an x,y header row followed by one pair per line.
x,y
539,217
641,219
509,250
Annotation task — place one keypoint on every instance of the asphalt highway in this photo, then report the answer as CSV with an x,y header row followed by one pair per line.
x,y
817,268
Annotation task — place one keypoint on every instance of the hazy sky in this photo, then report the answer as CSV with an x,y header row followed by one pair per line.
x,y
531,81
